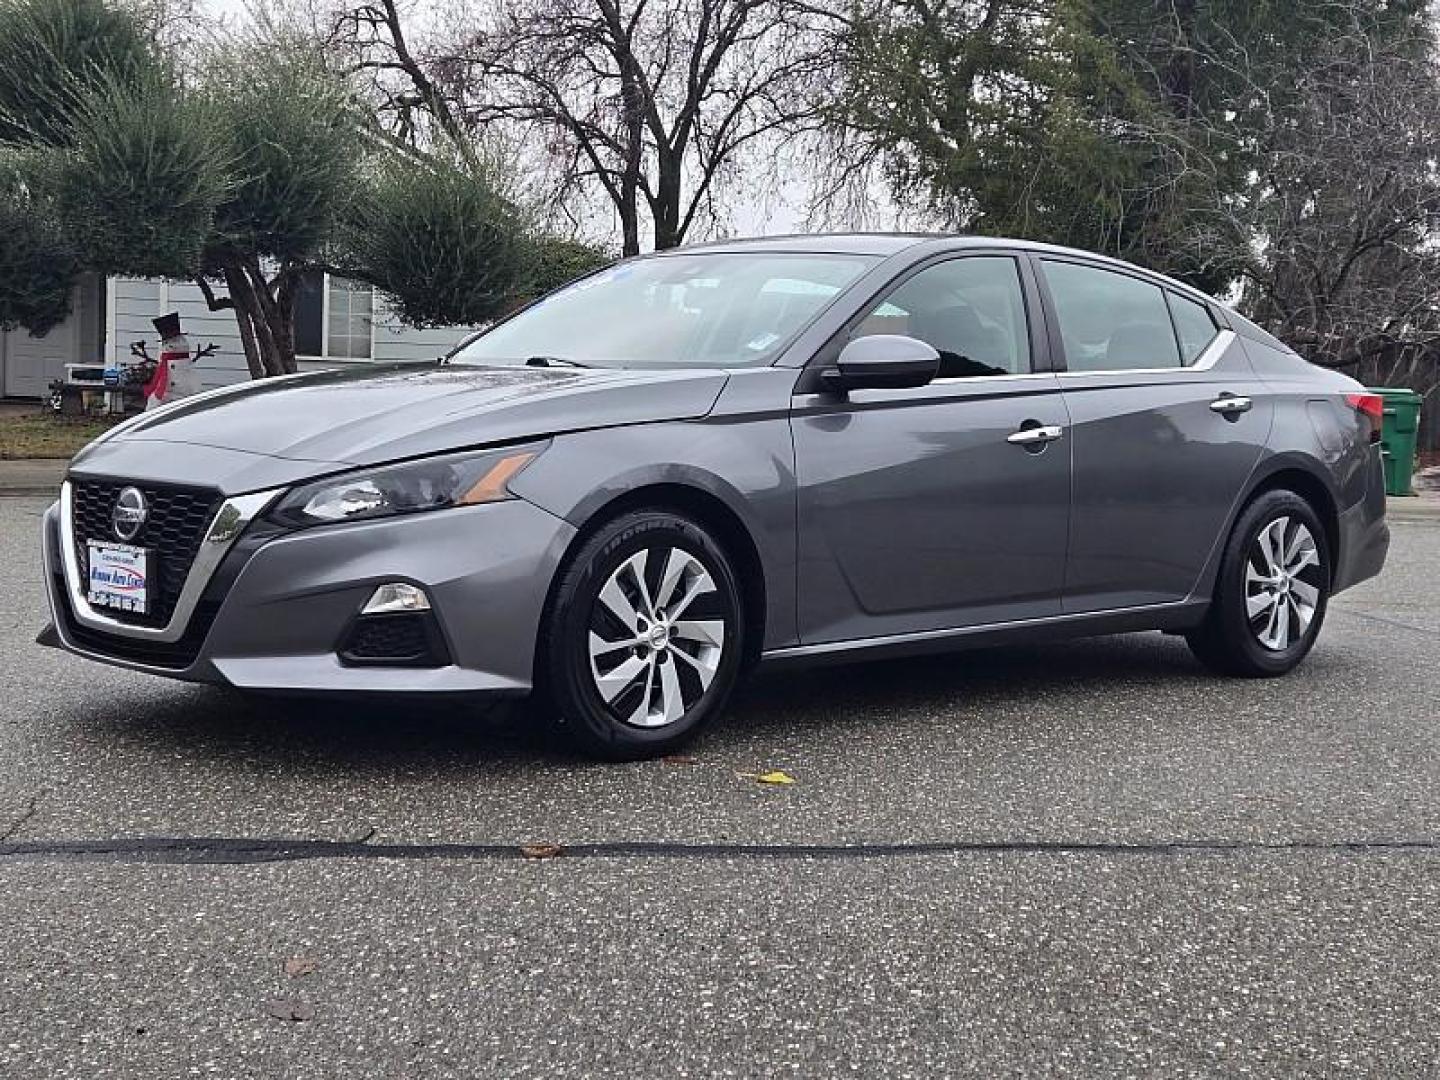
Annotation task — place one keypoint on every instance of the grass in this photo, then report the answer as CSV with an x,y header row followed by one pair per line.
x,y
43,434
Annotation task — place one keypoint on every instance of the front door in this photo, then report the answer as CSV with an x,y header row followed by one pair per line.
x,y
917,511
1165,429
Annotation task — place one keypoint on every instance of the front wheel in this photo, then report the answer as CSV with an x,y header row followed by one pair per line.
x,y
1272,592
642,641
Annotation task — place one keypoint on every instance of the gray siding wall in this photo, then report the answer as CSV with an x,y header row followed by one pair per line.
x,y
395,341
136,302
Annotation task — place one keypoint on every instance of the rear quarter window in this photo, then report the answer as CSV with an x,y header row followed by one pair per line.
x,y
1194,327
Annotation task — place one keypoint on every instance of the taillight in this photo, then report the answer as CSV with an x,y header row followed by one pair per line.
x,y
1373,406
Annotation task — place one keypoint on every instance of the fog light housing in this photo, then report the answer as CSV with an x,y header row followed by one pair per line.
x,y
395,597
395,628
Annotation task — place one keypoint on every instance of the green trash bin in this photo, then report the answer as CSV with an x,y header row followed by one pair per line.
x,y
1398,437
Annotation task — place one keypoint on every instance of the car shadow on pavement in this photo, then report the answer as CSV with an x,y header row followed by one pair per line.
x,y
359,735
1012,672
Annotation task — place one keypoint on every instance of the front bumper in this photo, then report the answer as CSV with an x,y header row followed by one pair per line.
x,y
276,611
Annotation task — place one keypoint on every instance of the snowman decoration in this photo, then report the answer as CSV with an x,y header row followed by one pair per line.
x,y
175,371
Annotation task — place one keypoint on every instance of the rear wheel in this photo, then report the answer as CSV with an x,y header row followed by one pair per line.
x,y
1272,592
642,643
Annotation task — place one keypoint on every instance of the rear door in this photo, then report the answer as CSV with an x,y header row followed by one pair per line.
x,y
916,510
1166,426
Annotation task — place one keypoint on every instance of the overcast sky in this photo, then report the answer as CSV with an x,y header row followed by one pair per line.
x,y
755,212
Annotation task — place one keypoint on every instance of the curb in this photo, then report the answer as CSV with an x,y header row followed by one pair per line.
x,y
32,477
1413,511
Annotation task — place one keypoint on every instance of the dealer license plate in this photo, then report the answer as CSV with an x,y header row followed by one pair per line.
x,y
119,577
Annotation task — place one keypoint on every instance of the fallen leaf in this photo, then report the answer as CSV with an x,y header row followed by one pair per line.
x,y
775,777
680,759
299,965
289,1009
540,851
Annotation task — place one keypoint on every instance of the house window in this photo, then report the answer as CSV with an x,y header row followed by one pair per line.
x,y
349,311
333,318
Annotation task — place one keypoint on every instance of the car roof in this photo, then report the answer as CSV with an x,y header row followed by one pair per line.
x,y
852,243
885,244
892,243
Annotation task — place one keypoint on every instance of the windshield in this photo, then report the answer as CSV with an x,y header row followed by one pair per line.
x,y
735,310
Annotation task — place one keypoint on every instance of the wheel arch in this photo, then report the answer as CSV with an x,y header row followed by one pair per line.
x,y
706,508
1306,481
1224,641
1283,472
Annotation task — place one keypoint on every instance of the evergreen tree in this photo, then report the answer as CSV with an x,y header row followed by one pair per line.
x,y
245,176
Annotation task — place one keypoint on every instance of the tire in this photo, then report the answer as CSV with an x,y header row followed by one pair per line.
x,y
619,673
1272,591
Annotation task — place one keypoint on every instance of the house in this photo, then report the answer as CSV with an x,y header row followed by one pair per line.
x,y
336,322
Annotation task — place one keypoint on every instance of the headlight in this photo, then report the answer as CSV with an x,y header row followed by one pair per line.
x,y
428,484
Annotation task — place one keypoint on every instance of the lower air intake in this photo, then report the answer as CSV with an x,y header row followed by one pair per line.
x,y
411,639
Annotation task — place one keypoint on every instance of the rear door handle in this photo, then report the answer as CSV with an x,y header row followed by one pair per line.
x,y
1035,436
1230,405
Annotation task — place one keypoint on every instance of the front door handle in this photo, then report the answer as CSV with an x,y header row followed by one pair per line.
x,y
1035,436
1230,406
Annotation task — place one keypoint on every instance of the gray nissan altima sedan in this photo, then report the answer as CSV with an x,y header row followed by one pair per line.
x,y
779,450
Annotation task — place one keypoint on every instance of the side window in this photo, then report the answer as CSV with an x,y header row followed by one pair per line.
x,y
970,310
1110,321
1194,326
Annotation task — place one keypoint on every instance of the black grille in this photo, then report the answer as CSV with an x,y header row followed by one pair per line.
x,y
173,530
176,655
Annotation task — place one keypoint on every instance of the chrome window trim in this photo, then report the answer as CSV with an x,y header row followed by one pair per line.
x,y
810,398
958,380
230,520
1207,360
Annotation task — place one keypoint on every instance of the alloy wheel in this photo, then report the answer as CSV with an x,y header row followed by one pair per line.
x,y
657,636
1284,577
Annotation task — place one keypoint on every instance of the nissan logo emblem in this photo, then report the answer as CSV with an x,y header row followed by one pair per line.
x,y
128,517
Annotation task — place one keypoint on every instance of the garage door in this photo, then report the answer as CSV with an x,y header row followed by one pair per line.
x,y
31,363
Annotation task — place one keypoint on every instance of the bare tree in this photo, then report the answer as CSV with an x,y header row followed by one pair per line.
x,y
1340,221
379,52
646,105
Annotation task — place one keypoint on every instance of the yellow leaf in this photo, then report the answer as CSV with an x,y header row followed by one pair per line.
x,y
776,777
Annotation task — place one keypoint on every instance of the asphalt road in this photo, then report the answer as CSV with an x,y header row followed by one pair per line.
x,y
1083,859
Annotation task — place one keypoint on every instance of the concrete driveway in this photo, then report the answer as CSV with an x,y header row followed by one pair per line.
x,y
1084,859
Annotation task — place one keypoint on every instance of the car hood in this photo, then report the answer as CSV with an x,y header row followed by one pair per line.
x,y
386,412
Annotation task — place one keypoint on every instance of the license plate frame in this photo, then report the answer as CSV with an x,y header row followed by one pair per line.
x,y
118,577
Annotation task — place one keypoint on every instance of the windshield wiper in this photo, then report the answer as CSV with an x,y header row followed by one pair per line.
x,y
552,361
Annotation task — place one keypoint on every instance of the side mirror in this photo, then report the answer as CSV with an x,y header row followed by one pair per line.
x,y
882,362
